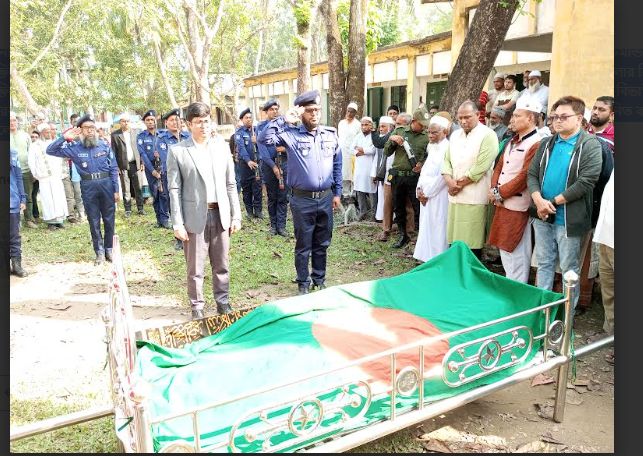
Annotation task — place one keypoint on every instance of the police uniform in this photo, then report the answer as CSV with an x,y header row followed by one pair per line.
x,y
166,139
315,177
148,148
99,182
277,198
402,177
250,185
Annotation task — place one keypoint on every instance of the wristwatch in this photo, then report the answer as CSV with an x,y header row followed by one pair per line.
x,y
553,201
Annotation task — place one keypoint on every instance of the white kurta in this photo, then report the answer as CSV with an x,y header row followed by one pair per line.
x,y
47,169
432,235
346,133
362,180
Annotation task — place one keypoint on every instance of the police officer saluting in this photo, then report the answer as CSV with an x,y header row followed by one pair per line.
x,y
99,180
250,175
147,142
315,176
273,169
408,143
173,134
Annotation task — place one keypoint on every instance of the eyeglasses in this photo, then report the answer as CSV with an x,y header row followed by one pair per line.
x,y
88,128
562,118
312,110
198,123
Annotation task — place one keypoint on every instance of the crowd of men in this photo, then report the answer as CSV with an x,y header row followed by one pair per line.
x,y
501,173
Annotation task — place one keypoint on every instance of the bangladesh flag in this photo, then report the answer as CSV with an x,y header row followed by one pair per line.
x,y
301,336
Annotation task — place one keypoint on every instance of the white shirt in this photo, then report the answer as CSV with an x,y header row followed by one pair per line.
x,y
604,232
204,163
128,146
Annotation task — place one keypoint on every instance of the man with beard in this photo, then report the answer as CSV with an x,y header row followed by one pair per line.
x,y
364,151
167,138
537,90
498,86
99,180
274,163
129,162
48,171
497,122
347,130
602,120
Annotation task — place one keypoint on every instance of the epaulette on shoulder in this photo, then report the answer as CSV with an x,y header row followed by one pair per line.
x,y
329,129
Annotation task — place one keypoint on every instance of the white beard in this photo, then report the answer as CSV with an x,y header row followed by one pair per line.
x,y
534,88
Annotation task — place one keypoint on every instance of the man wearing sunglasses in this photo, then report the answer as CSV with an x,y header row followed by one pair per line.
x,y
99,180
560,180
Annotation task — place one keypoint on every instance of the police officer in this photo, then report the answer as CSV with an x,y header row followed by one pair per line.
x,y
98,171
250,173
315,177
172,134
274,162
147,142
408,143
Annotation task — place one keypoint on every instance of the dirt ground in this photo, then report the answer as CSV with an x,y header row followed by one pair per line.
x,y
57,353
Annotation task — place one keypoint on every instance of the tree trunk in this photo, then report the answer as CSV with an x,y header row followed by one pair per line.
x,y
355,84
264,10
304,12
23,91
478,54
166,80
337,77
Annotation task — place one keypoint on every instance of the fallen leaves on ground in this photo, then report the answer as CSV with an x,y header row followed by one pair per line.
x,y
542,379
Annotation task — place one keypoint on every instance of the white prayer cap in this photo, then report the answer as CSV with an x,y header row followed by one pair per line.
x,y
387,120
352,105
366,119
528,103
123,116
535,74
42,126
440,121
499,76
12,115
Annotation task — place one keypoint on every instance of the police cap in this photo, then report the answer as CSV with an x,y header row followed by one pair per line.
x,y
173,112
269,104
85,118
422,116
151,112
307,98
244,112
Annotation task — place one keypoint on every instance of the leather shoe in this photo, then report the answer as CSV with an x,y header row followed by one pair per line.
x,y
100,259
166,225
196,314
108,255
303,289
283,233
141,212
128,214
404,239
383,236
178,244
223,309
319,286
273,230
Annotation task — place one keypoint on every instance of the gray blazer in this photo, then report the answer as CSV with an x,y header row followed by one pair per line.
x,y
187,187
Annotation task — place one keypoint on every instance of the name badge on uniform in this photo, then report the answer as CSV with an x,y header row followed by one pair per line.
x,y
162,146
140,141
148,147
83,155
304,152
84,164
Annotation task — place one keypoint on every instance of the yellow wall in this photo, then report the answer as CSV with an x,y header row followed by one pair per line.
x,y
582,58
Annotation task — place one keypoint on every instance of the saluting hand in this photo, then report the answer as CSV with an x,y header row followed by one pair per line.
x,y
71,133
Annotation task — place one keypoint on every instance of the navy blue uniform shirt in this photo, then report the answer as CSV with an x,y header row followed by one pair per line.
x,y
164,141
245,147
147,143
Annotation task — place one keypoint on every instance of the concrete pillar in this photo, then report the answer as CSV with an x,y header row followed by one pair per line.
x,y
412,91
582,56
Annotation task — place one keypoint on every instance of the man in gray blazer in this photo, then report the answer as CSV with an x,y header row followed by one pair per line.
x,y
204,204
129,162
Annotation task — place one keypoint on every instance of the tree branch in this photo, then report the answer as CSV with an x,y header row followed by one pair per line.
x,y
54,37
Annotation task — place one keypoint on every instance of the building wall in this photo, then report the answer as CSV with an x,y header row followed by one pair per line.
x,y
583,50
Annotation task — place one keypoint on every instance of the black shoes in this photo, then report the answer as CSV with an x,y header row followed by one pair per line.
x,y
223,309
319,286
273,230
178,244
108,255
197,314
128,214
141,211
282,232
16,267
100,259
404,239
303,289
258,216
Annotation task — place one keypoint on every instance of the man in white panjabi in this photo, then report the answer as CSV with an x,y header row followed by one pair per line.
x,y
364,152
349,127
48,170
432,191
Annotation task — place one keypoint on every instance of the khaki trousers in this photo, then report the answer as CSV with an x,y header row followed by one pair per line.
x,y
606,273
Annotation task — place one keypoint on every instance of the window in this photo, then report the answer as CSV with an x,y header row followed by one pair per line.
x,y
398,97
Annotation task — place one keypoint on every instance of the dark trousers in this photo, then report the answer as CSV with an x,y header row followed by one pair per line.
x,y
161,203
130,186
15,241
404,186
98,199
313,223
251,188
213,243
34,199
27,183
277,198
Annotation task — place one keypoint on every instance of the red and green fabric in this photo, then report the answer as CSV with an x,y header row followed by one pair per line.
x,y
297,337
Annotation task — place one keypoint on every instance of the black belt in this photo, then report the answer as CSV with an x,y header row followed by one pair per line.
x,y
308,194
94,176
213,205
406,173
